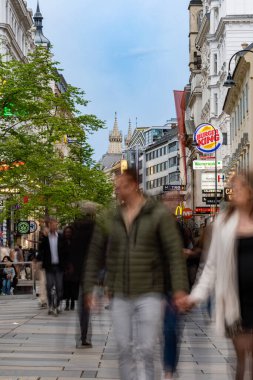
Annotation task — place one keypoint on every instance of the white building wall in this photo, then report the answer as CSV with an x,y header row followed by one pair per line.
x,y
231,25
15,29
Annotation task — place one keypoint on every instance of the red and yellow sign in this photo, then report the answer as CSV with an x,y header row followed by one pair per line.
x,y
207,138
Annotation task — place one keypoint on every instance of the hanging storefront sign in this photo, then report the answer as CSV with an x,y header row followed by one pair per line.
x,y
206,165
187,213
207,138
208,181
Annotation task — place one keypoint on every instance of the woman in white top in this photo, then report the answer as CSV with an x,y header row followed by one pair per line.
x,y
229,269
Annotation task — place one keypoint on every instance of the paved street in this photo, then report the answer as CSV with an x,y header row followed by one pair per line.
x,y
35,346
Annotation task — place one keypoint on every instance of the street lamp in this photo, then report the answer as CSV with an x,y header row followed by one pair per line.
x,y
229,82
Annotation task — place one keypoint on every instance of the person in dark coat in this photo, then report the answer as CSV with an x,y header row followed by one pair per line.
x,y
82,233
51,254
70,278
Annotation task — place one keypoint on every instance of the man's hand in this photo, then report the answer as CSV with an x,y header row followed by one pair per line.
x,y
183,302
179,300
89,301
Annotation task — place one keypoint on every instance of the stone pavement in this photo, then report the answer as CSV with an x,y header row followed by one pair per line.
x,y
35,346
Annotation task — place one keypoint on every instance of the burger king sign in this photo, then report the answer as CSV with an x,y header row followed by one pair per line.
x,y
207,138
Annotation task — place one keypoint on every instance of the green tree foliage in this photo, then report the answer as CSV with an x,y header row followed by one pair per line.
x,y
35,120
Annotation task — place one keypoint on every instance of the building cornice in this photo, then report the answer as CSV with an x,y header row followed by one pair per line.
x,y
203,31
231,19
10,41
24,15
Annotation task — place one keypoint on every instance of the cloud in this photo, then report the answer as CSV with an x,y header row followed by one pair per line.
x,y
142,52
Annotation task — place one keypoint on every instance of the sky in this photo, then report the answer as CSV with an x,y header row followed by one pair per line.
x,y
127,55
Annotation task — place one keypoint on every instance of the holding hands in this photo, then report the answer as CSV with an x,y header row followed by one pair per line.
x,y
183,301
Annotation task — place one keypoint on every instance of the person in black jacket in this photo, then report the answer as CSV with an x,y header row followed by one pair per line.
x,y
51,253
82,233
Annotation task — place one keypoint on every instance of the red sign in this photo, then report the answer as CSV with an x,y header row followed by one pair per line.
x,y
205,210
187,213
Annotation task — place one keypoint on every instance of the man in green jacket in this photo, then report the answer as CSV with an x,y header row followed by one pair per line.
x,y
143,256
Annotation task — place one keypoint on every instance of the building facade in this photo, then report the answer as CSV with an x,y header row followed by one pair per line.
x,y
218,29
237,106
16,37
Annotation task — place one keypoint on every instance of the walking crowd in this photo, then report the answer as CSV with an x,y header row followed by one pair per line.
x,y
152,271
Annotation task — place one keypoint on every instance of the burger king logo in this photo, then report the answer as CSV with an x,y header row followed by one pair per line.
x,y
207,138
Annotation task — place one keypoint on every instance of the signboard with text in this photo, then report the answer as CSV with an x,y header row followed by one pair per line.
x,y
174,187
205,210
208,181
208,138
206,165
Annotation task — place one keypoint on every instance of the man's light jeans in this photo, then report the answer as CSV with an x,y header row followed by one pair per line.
x,y
136,324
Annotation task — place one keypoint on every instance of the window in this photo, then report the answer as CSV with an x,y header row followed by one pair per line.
x,y
240,107
225,138
164,150
173,177
243,104
215,64
161,152
173,161
232,127
247,97
173,147
216,104
238,117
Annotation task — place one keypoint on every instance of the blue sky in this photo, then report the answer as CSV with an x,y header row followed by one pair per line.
x,y
128,56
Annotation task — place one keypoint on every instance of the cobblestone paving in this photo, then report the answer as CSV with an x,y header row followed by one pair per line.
x,y
35,346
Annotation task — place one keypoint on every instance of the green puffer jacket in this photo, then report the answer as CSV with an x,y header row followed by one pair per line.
x,y
141,261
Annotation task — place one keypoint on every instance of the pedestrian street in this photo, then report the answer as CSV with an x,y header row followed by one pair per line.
x,y
36,346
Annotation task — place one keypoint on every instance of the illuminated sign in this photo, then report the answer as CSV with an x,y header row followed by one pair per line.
x,y
207,138
206,165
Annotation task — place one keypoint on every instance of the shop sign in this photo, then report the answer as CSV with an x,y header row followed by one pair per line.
x,y
208,138
208,181
206,165
228,194
174,187
187,213
26,227
205,210
179,210
211,201
212,192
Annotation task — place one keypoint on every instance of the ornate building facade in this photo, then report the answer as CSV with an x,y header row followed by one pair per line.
x,y
16,22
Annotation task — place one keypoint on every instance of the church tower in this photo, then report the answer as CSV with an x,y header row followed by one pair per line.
x,y
39,38
115,139
129,134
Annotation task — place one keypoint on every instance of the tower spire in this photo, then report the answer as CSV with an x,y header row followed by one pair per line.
x,y
39,38
115,138
129,134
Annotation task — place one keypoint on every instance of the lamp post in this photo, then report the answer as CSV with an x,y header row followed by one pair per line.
x,y
229,82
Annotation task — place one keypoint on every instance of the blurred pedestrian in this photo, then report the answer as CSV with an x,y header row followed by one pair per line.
x,y
229,269
172,323
52,256
70,280
82,233
144,251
